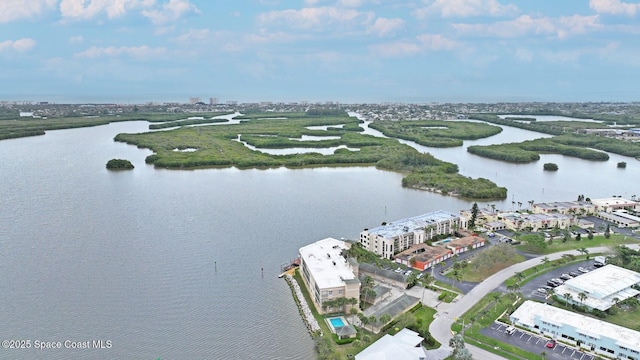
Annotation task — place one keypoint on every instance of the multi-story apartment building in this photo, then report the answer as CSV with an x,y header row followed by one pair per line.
x,y
328,275
389,239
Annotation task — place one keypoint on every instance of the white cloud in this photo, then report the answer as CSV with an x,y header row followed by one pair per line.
x,y
396,49
20,45
89,9
137,52
525,55
76,39
423,43
614,7
171,11
80,9
20,9
437,42
317,18
465,8
384,26
340,3
524,25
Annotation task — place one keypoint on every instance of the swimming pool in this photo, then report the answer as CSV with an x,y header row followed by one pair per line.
x,y
336,322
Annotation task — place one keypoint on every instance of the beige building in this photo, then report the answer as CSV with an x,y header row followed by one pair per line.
x,y
328,275
565,207
615,203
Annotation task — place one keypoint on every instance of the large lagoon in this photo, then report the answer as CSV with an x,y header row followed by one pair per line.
x,y
183,264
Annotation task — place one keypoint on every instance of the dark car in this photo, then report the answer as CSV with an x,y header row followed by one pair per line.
x,y
574,274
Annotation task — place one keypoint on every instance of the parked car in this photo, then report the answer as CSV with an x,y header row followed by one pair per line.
x,y
551,344
559,281
583,270
574,274
548,288
542,290
566,277
552,283
510,330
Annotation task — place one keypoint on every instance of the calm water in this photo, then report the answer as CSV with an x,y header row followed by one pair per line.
x,y
169,263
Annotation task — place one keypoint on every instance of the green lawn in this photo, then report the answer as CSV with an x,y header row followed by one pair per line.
x,y
473,275
597,241
628,319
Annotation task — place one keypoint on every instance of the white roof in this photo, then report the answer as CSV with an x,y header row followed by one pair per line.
x,y
601,286
402,346
528,311
324,262
613,201
412,224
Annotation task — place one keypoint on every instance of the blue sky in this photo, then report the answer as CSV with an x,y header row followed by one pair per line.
x,y
320,50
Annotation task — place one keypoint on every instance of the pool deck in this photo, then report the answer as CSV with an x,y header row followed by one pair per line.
x,y
341,317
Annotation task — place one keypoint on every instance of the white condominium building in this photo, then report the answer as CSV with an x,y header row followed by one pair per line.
x,y
328,275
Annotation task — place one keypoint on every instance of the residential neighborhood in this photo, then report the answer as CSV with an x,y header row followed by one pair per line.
x,y
418,244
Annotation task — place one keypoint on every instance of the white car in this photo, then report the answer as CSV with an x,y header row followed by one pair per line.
x,y
510,330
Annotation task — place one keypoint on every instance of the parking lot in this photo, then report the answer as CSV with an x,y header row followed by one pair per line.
x,y
530,290
533,343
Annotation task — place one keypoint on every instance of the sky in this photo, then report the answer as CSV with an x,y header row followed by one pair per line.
x,y
348,51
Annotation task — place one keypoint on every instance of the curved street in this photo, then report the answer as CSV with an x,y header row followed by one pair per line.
x,y
440,328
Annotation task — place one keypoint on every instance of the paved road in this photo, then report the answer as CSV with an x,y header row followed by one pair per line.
x,y
441,327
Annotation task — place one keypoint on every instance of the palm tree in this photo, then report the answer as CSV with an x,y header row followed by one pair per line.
x,y
457,276
372,320
616,301
519,275
544,260
582,297
353,311
583,250
515,287
364,320
531,202
496,297
385,318
567,297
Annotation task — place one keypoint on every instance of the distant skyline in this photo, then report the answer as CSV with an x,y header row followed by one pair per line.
x,y
349,51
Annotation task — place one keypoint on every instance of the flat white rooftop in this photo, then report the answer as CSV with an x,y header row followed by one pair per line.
x,y
529,310
325,263
605,281
613,201
401,346
412,224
